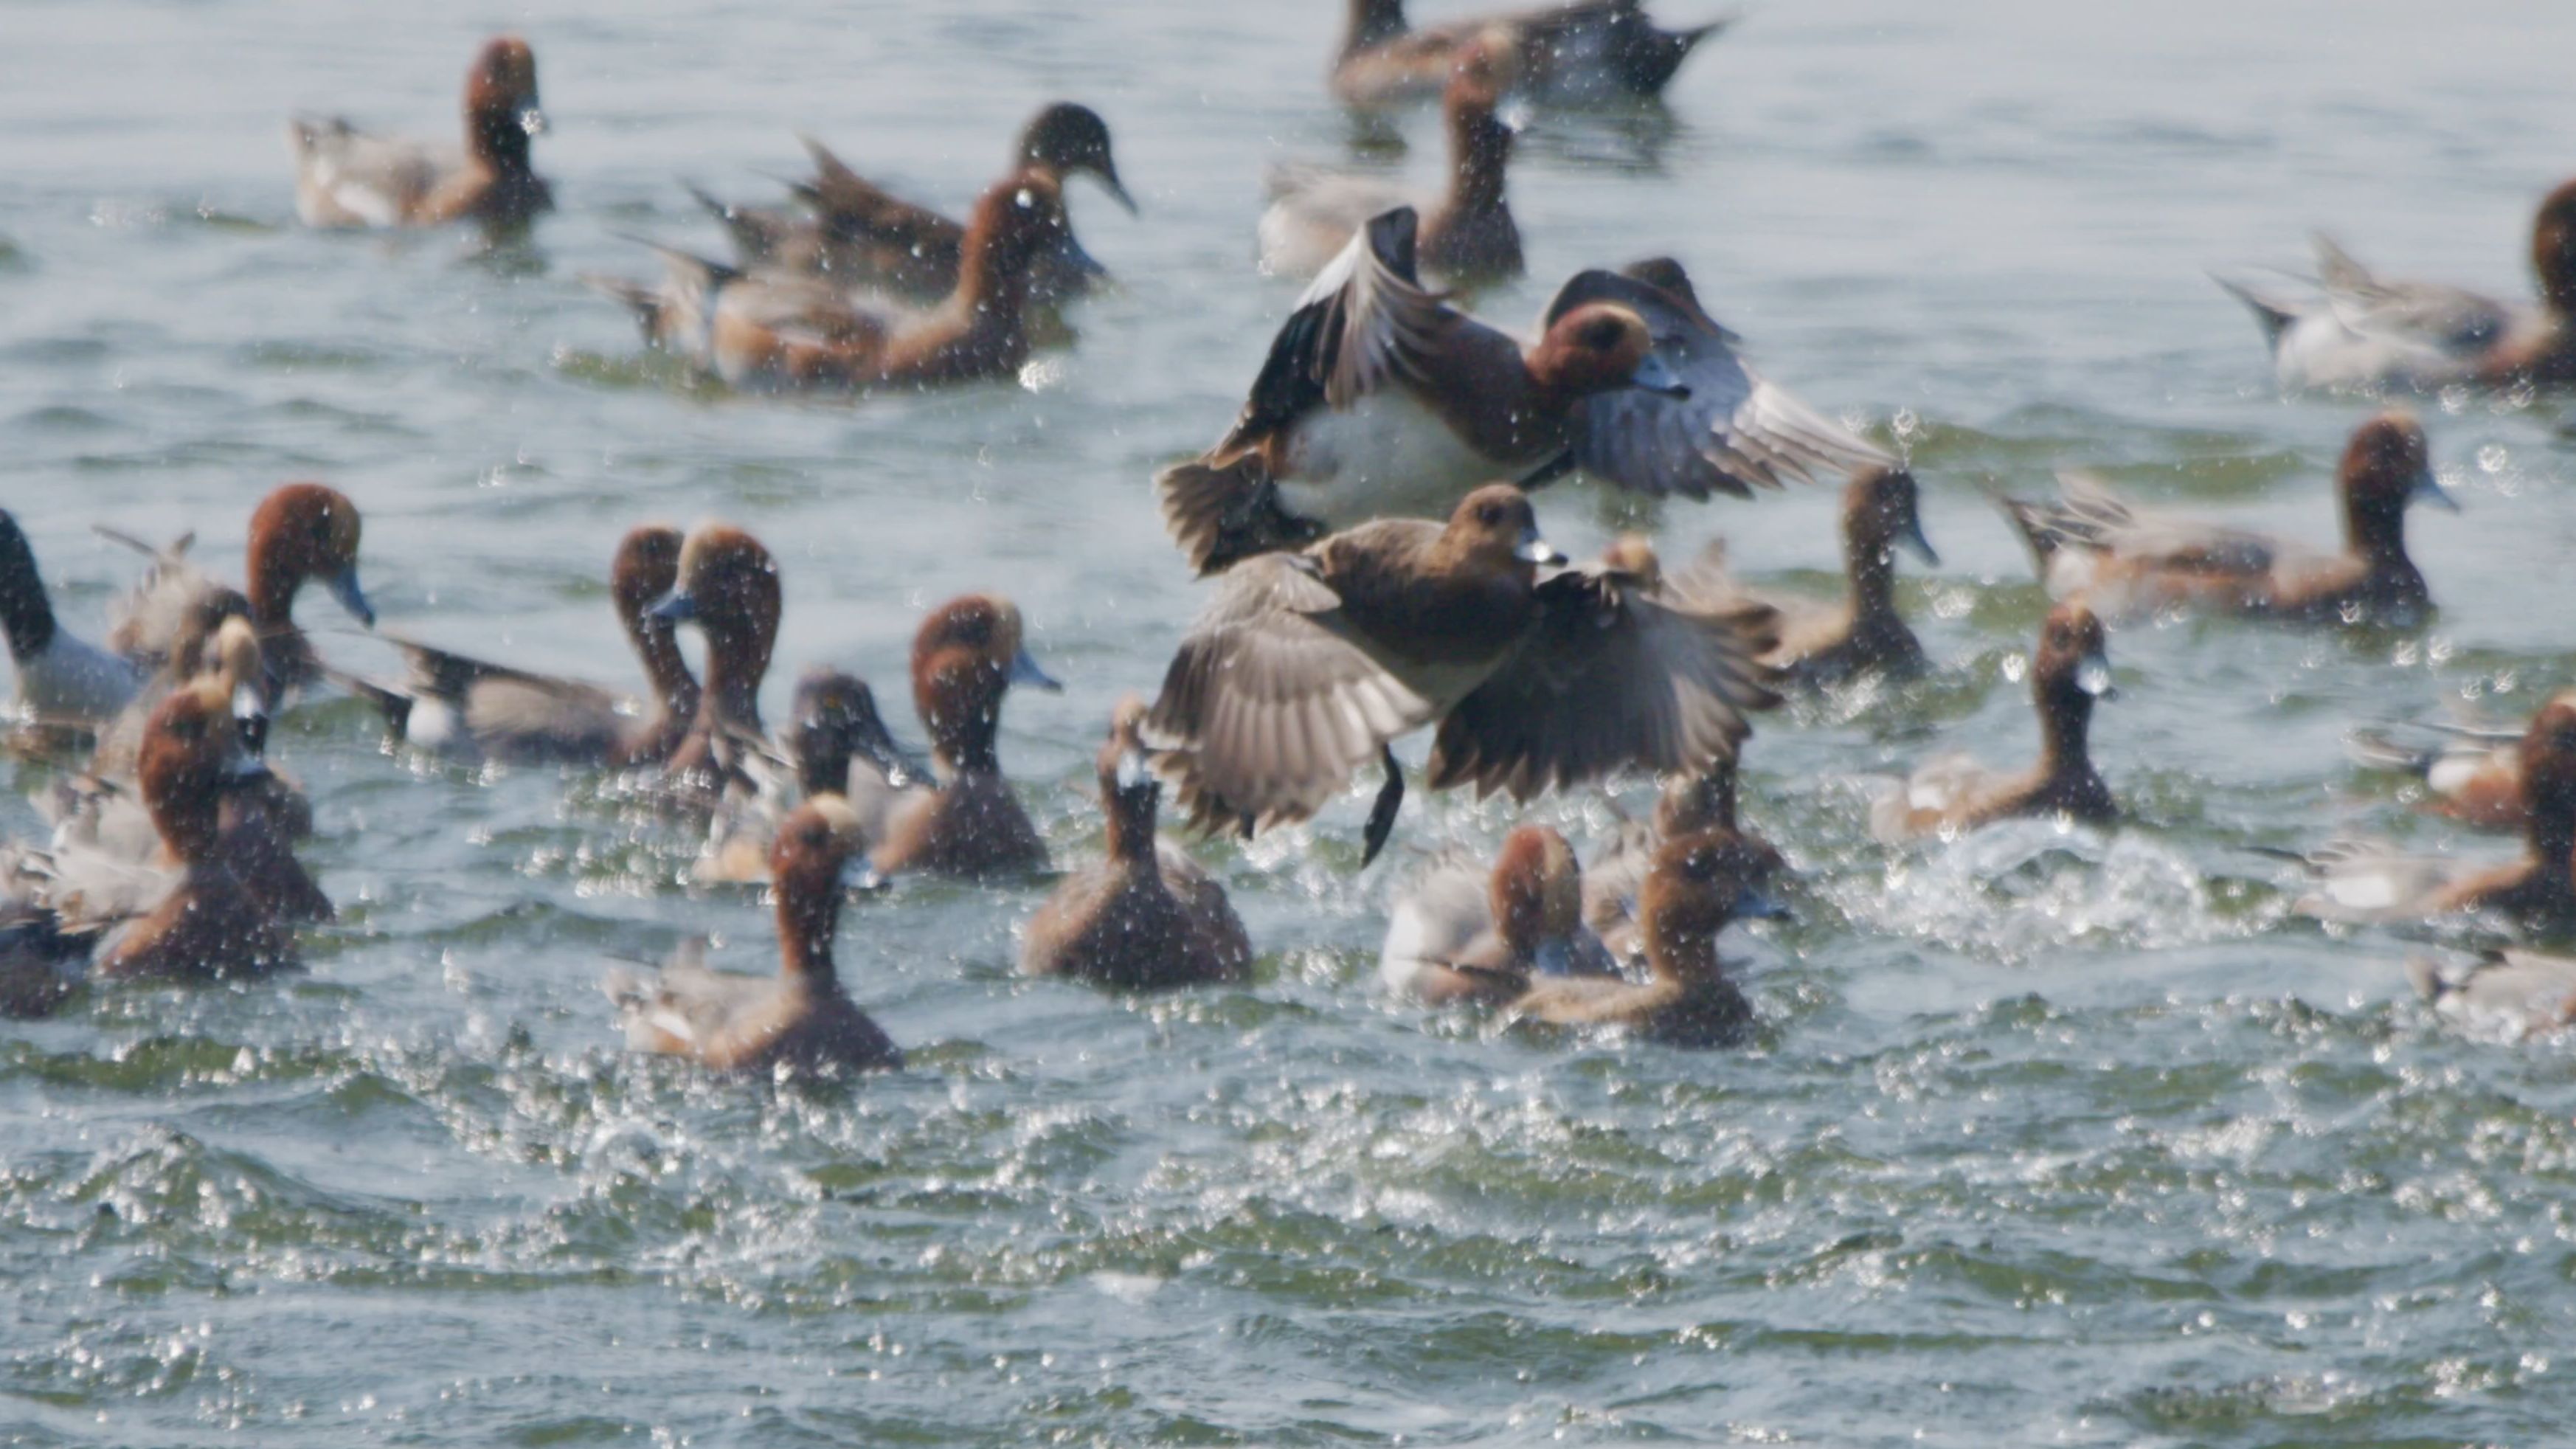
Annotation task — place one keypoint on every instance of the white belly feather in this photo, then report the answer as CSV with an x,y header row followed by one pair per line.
x,y
1387,456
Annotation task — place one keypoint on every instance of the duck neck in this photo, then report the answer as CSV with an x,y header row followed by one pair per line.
x,y
2065,718
270,586
822,761
190,822
2375,530
1131,824
1871,563
657,644
496,138
809,915
1373,22
962,709
1682,955
25,613
736,663
992,288
2550,831
1479,148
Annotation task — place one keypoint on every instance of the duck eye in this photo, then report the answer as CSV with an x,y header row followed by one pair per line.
x,y
1489,515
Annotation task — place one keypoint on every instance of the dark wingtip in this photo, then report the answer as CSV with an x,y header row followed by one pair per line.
x,y
1391,239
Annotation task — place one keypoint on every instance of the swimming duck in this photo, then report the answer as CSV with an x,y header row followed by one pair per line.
x,y
203,923
1690,804
861,235
300,533
459,705
779,332
1378,399
1589,52
728,587
1698,885
345,177
966,657
2130,563
833,721
1826,643
103,817
2374,881
2362,332
1147,918
1466,233
801,1019
1463,932
1955,793
1307,665
61,679
2526,993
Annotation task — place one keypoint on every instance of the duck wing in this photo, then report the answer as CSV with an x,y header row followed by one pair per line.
x,y
347,176
1736,430
1610,674
2089,515
2452,321
1365,321
1270,703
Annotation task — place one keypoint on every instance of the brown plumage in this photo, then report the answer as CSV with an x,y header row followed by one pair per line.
x,y
802,1018
1307,666
347,178
1147,917
2068,672
832,722
965,658
1698,885
1590,52
2129,564
1463,932
728,587
1688,805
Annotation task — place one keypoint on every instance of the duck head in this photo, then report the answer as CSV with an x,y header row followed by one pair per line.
x,y
2387,466
1882,512
966,657
192,754
1494,530
1697,885
820,853
1596,347
501,112
300,532
1066,139
2553,250
2549,780
834,720
1536,895
728,586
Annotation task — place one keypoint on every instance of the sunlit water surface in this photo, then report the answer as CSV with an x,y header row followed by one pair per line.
x,y
2047,1137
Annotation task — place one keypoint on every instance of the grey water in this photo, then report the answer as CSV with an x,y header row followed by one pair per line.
x,y
2048,1136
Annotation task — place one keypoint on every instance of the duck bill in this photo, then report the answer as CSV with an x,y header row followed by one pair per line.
x,y
344,587
2093,676
677,607
1758,904
534,122
898,766
1025,670
244,769
1083,263
859,873
1655,375
1911,539
1117,188
2429,489
1536,550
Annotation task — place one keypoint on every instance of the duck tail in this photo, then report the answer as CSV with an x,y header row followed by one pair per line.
x,y
2274,315
642,300
392,703
2037,524
754,239
1653,57
2377,748
1222,513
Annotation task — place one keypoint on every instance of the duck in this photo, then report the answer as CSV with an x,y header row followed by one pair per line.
x,y
1465,933
300,533
2373,881
1379,399
345,177
966,823
198,921
1587,53
461,706
768,331
1955,793
801,1020
2470,774
104,817
1307,665
728,587
2364,334
2525,993
860,235
1823,643
1687,804
1146,918
1466,234
60,679
1698,885
2132,563
833,721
